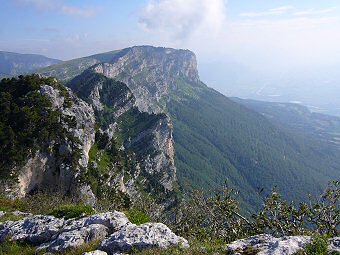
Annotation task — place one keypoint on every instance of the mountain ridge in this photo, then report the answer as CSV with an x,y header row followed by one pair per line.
x,y
214,138
12,64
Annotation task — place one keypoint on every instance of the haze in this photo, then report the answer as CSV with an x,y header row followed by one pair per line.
x,y
267,50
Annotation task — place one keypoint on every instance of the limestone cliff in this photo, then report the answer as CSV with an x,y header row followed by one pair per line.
x,y
52,169
145,137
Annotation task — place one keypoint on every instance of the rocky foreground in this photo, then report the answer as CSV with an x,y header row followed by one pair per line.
x,y
269,245
116,233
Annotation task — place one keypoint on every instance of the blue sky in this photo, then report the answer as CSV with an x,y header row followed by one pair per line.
x,y
257,32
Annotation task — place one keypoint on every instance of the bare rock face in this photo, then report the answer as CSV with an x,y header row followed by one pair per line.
x,y
117,233
48,169
152,144
269,245
151,72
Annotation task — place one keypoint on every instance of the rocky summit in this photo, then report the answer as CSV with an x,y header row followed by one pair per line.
x,y
116,233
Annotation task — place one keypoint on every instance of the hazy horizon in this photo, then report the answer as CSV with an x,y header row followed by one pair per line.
x,y
252,49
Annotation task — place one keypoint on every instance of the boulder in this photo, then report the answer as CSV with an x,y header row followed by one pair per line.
x,y
144,236
58,235
36,230
68,240
269,245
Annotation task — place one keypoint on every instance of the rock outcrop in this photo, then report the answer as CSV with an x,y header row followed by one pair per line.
x,y
141,237
128,146
51,168
115,231
151,73
269,245
148,136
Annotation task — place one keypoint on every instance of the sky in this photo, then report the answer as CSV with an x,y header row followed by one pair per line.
x,y
265,35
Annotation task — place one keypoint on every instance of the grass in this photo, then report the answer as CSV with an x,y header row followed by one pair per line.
x,y
9,205
41,203
11,217
16,248
196,248
72,211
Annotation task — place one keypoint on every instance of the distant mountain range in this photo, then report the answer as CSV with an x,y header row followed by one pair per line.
x,y
208,137
12,64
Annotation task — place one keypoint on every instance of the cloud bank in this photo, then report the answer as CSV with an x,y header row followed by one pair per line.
x,y
180,19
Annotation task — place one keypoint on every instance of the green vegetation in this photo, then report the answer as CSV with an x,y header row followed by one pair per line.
x,y
28,123
10,217
319,246
106,158
15,248
72,211
217,139
218,217
137,216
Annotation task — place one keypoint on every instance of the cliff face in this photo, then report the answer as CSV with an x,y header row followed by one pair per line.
x,y
145,137
52,169
151,73
96,141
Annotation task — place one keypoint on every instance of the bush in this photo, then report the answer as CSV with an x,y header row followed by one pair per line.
x,y
71,211
137,217
319,246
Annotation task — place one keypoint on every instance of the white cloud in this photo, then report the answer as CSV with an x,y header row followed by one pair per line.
x,y
59,6
314,11
270,12
181,19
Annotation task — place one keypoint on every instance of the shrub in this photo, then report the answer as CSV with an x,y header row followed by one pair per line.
x,y
319,246
137,217
71,211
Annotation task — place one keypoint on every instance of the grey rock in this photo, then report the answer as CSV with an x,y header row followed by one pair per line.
x,y
269,245
2,214
47,170
86,195
36,230
23,214
77,232
97,252
143,236
114,221
58,235
334,245
74,238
